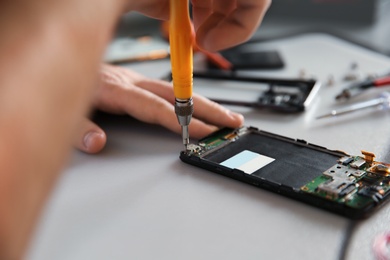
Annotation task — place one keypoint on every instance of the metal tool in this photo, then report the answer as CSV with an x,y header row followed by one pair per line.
x,y
180,38
382,102
359,88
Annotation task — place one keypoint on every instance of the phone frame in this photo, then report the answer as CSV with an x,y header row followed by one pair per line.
x,y
307,89
282,189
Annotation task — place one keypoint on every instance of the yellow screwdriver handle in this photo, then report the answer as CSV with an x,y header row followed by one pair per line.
x,y
180,39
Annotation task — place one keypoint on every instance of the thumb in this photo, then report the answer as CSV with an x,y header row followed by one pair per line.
x,y
90,138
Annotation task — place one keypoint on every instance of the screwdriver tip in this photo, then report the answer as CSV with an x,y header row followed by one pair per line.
x,y
331,114
185,135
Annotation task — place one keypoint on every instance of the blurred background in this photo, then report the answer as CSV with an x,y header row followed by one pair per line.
x,y
364,22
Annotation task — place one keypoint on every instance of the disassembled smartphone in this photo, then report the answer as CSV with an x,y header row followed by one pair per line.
x,y
282,95
352,186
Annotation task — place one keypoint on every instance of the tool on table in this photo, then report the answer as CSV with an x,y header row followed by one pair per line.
x,y
135,49
381,102
357,89
180,39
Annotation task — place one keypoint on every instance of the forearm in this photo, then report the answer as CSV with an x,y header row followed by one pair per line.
x,y
48,70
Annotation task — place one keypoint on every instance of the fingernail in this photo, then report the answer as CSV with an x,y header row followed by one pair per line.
x,y
89,139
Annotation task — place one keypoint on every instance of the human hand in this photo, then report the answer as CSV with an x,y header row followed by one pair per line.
x,y
123,91
219,24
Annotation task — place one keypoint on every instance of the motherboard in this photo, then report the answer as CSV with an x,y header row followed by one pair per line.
x,y
335,180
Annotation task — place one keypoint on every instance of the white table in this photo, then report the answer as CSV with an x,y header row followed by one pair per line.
x,y
137,200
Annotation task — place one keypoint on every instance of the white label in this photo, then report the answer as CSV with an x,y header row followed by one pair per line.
x,y
247,161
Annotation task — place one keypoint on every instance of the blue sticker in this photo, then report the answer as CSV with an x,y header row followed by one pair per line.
x,y
247,161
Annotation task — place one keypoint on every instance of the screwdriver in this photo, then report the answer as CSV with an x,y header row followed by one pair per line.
x,y
180,40
357,89
382,102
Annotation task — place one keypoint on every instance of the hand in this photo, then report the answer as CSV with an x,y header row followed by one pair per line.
x,y
219,24
126,92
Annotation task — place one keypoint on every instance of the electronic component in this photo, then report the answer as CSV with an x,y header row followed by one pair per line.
x,y
360,162
345,160
336,188
338,171
343,172
368,157
380,169
193,148
352,181
349,185
374,192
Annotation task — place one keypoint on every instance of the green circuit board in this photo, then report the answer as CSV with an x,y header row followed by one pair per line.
x,y
356,182
353,181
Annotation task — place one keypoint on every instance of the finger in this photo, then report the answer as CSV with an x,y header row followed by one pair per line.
x,y
213,113
152,9
160,88
147,102
90,138
199,129
150,108
204,108
115,81
223,30
201,9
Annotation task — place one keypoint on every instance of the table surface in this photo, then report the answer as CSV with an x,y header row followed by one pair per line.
x,y
137,200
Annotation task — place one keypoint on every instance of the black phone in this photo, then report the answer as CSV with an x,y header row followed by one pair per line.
x,y
352,186
282,95
242,59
